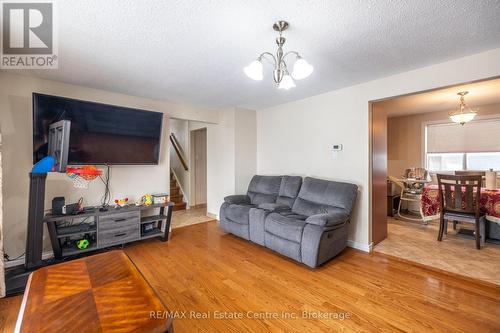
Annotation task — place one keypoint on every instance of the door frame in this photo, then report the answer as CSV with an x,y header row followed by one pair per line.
x,y
192,166
376,223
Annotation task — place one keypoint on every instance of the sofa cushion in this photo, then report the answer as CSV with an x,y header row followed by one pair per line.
x,y
318,196
238,213
285,227
238,199
335,217
273,207
240,230
264,189
283,246
292,215
289,189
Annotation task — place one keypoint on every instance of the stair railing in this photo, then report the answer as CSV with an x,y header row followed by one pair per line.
x,y
177,149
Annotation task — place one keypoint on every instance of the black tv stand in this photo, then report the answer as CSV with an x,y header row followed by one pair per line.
x,y
115,226
110,226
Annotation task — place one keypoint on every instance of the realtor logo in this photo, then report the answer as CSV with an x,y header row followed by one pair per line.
x,y
28,35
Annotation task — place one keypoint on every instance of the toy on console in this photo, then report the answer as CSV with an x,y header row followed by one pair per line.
x,y
145,200
82,244
161,198
121,202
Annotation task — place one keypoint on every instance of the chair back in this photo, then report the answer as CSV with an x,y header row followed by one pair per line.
x,y
470,173
460,194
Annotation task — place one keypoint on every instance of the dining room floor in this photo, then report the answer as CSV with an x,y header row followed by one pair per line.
x,y
418,243
193,215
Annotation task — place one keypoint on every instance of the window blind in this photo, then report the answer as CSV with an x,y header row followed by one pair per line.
x,y
475,136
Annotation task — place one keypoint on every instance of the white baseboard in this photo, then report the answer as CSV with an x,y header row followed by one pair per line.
x,y
20,261
360,246
214,216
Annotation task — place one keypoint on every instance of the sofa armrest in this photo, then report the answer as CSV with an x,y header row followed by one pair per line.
x,y
273,207
330,219
237,199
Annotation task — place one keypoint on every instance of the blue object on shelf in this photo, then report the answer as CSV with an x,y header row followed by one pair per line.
x,y
45,165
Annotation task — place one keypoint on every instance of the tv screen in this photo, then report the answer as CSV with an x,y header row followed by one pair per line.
x,y
100,133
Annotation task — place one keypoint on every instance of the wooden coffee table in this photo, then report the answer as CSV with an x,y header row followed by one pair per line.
x,y
101,293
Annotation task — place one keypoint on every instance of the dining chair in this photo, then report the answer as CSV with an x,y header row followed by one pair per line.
x,y
460,198
470,173
467,173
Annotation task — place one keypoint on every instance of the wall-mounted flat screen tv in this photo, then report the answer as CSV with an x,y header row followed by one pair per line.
x,y
100,133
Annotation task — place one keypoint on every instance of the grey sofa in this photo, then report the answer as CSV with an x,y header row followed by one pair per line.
x,y
263,191
304,221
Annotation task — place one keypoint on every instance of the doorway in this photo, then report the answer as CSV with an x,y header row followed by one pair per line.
x,y
199,158
413,139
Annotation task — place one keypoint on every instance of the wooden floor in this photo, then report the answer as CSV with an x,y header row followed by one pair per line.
x,y
206,272
9,308
416,242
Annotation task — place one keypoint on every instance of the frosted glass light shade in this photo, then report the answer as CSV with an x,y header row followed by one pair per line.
x,y
254,70
462,118
286,82
301,69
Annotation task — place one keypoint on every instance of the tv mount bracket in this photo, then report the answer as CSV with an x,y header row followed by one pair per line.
x,y
59,143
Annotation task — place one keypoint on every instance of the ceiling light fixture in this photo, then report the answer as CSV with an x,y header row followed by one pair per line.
x,y
463,115
282,78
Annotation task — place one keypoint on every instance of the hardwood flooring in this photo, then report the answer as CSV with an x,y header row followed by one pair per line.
x,y
9,308
455,254
206,272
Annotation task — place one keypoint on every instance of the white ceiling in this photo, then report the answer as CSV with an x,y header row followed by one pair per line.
x,y
480,93
194,51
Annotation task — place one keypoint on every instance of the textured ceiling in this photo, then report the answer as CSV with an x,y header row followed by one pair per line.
x,y
480,93
194,51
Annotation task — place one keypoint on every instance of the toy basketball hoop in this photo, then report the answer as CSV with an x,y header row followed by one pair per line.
x,y
82,176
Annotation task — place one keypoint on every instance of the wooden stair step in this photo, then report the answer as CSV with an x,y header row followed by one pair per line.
x,y
179,206
175,194
177,198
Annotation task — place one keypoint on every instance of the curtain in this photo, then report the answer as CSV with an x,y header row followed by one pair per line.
x,y
474,137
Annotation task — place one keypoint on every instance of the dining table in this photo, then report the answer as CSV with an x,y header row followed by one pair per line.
x,y
489,205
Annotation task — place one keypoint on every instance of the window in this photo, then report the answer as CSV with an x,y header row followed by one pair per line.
x,y
463,161
474,146
445,162
483,161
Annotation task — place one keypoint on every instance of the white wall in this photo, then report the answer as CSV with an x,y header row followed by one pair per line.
x,y
220,161
297,137
245,148
231,155
16,129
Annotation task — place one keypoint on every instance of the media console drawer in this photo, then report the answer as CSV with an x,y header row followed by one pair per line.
x,y
119,220
119,235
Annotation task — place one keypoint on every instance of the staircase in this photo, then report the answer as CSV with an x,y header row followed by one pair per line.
x,y
176,195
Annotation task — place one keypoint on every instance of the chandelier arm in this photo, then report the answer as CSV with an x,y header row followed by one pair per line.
x,y
268,54
292,52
